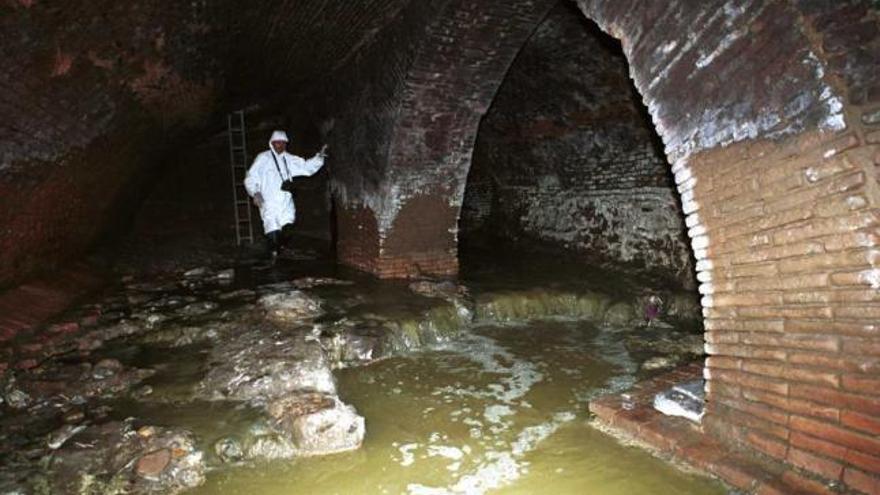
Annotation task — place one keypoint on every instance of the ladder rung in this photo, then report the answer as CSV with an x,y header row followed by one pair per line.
x,y
238,158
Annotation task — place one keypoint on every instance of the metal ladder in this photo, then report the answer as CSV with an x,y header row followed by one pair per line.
x,y
238,160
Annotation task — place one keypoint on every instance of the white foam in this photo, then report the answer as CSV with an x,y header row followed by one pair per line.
x,y
445,451
496,413
408,453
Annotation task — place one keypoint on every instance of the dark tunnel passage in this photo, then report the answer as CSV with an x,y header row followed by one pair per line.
x,y
567,161
545,229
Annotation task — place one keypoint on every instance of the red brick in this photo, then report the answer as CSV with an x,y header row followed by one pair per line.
x,y
833,433
747,351
855,328
808,375
747,325
798,483
721,337
704,454
863,422
605,407
816,464
855,383
793,341
767,445
760,410
720,410
815,445
860,346
797,406
851,363
749,380
659,433
862,481
824,395
832,295
738,472
869,463
723,362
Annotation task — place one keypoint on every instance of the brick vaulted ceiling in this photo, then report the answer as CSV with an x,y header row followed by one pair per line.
x,y
769,111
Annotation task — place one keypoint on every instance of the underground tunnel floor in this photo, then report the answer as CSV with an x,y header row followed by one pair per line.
x,y
309,379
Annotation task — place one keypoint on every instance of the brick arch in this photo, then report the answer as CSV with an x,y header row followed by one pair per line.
x,y
769,120
422,134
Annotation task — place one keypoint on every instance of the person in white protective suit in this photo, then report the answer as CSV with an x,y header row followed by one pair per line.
x,y
264,179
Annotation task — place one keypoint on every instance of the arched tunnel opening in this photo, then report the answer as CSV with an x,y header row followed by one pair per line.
x,y
545,231
567,163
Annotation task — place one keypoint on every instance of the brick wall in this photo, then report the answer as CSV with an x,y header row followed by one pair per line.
x,y
791,303
92,93
405,127
567,158
769,118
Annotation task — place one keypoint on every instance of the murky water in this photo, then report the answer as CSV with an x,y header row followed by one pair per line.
x,y
503,410
474,400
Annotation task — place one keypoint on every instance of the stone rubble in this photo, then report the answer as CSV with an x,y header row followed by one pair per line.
x,y
268,351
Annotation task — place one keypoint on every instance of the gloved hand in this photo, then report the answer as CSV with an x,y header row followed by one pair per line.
x,y
258,200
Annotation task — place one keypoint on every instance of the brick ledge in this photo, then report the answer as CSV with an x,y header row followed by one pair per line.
x,y
685,443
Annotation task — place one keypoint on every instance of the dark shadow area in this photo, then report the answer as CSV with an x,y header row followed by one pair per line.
x,y
185,212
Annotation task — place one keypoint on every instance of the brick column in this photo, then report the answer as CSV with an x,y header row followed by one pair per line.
x,y
774,140
790,277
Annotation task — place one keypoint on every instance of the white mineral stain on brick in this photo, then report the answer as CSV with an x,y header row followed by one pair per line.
x,y
683,174
865,240
856,202
700,242
871,277
707,372
834,121
829,153
687,197
725,43
689,207
699,230
688,185
811,174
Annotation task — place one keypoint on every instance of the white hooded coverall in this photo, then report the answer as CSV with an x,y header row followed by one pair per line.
x,y
277,209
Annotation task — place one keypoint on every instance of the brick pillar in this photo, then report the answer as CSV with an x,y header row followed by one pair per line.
x,y
357,242
774,139
790,277
421,240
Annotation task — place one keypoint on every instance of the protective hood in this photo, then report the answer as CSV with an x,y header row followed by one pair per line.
x,y
277,136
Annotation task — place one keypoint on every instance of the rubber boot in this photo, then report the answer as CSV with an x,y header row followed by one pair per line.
x,y
274,239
